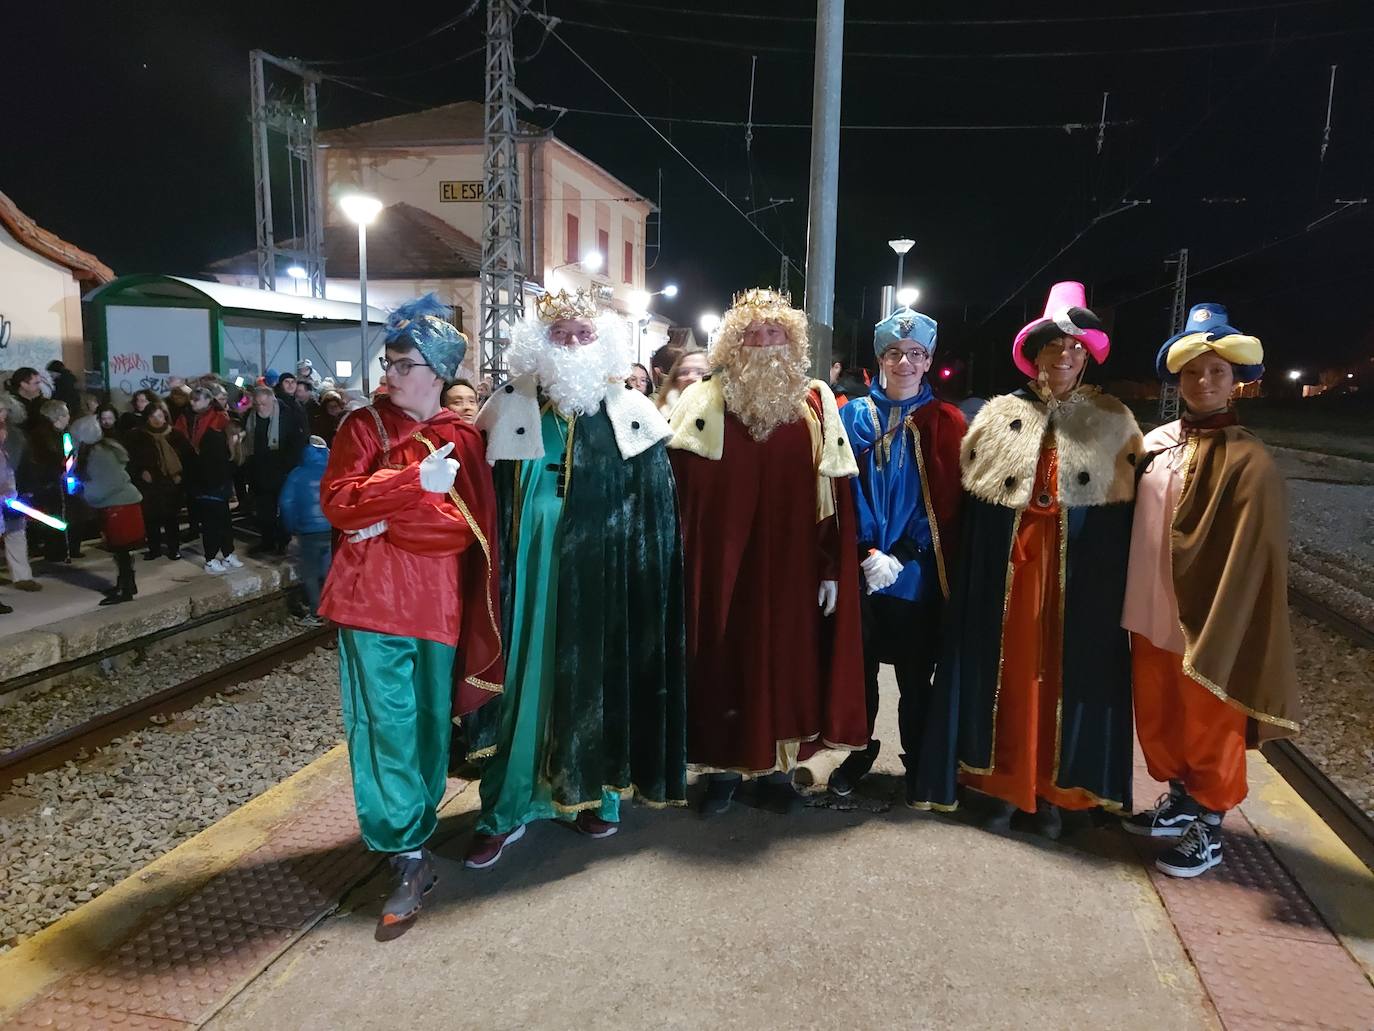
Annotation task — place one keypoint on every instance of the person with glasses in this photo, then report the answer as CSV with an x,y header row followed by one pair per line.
x,y
1207,596
413,587
1032,701
907,500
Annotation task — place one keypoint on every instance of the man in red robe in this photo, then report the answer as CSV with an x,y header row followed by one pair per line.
x,y
413,588
775,659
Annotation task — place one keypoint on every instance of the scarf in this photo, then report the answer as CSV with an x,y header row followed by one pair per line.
x,y
210,419
167,459
273,430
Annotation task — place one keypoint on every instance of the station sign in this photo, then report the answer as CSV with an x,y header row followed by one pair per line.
x,y
459,191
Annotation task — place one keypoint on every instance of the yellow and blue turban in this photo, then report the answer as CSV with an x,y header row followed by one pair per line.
x,y
424,323
1207,329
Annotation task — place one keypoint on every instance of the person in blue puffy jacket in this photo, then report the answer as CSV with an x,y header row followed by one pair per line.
x,y
300,512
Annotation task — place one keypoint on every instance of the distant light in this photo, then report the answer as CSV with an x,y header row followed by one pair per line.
x,y
1294,375
907,296
946,372
901,246
360,208
343,370
638,301
593,261
709,322
670,290
1349,375
296,272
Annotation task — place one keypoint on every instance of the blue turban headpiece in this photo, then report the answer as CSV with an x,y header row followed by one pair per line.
x,y
905,324
1208,329
424,323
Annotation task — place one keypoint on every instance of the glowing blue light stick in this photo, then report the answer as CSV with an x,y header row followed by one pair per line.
x,y
33,513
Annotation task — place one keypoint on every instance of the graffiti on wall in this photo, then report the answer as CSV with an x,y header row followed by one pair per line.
x,y
17,352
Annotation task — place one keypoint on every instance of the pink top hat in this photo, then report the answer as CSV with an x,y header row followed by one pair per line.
x,y
1066,309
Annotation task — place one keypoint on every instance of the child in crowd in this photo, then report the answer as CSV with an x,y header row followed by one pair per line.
x,y
300,512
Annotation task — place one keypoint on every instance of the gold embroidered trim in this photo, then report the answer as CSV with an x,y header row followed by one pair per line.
x,y
485,685
483,753
932,807
780,746
1001,650
632,792
1063,578
383,439
930,511
1189,670
486,554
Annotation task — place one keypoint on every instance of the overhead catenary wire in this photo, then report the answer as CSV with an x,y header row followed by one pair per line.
x,y
467,13
945,55
553,31
961,22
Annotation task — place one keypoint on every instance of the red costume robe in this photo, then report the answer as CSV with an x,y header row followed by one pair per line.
x,y
770,678
434,573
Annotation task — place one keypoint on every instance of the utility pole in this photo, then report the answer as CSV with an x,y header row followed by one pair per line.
x,y
503,268
1178,315
299,124
825,181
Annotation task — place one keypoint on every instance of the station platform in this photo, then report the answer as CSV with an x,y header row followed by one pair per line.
x,y
855,913
64,621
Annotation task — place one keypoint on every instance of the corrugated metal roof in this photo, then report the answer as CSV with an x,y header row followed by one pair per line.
x,y
239,298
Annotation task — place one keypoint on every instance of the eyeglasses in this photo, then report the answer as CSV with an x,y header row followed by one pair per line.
x,y
401,365
1061,345
915,357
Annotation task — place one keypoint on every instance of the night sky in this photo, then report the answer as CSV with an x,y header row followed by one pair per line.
x,y
126,133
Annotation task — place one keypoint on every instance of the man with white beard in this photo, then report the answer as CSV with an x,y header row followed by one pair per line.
x,y
591,574
772,581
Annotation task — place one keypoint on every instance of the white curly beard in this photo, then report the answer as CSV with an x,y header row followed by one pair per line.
x,y
765,387
575,379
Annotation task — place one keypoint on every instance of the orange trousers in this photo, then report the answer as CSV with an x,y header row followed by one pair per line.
x,y
1187,733
1026,733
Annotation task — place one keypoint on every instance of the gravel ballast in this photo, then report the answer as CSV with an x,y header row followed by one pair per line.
x,y
68,834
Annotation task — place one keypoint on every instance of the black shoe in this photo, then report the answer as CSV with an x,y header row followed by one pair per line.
x,y
5,609
778,794
1196,852
854,769
1171,817
1047,820
999,816
415,878
118,597
719,793
174,555
151,554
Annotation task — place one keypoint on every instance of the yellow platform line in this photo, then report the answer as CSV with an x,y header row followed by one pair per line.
x,y
1340,886
80,938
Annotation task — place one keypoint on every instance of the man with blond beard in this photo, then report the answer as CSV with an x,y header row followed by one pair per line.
x,y
591,565
773,634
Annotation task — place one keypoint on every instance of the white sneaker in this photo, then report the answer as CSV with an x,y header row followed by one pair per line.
x,y
215,567
232,561
313,622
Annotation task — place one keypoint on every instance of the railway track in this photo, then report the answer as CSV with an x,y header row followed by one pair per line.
x,y
53,750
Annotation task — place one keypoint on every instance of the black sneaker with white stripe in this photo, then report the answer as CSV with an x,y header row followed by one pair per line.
x,y
1196,852
1172,815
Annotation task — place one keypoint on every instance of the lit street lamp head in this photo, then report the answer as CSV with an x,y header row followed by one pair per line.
x,y
901,246
907,296
296,272
670,290
360,208
592,262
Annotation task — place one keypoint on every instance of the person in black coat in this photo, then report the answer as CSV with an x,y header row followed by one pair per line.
x,y
273,438
210,479
38,476
64,388
158,457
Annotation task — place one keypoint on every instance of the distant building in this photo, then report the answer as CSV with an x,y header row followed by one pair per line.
x,y
426,168
42,278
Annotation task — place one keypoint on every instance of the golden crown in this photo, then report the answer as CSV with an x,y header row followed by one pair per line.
x,y
563,305
762,297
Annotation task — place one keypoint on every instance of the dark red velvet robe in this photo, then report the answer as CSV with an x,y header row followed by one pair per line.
x,y
764,665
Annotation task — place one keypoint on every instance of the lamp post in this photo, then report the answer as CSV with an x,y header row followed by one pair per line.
x,y
297,274
709,323
362,209
590,262
907,296
901,247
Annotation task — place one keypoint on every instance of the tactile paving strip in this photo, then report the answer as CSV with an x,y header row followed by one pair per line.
x,y
183,965
1263,952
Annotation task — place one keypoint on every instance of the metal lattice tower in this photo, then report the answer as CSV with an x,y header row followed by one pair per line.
x,y
1178,315
300,125
503,268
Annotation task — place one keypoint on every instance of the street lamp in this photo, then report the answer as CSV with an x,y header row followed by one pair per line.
x,y
297,274
901,247
907,296
1294,375
362,209
709,323
589,262
669,291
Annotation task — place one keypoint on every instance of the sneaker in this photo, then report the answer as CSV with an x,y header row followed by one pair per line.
x,y
1048,820
232,561
312,622
592,825
1196,852
1171,817
415,878
175,556
27,585
215,567
486,849
854,769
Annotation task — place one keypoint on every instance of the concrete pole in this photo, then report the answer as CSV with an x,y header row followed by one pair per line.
x,y
362,301
825,182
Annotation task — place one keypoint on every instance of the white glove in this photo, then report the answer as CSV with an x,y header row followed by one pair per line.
x,y
829,595
880,570
438,470
375,530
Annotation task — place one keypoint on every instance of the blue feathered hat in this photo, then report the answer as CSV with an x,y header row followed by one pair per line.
x,y
424,323
905,324
1208,328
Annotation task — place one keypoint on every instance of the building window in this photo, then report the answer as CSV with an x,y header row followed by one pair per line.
x,y
572,250
629,262
603,245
